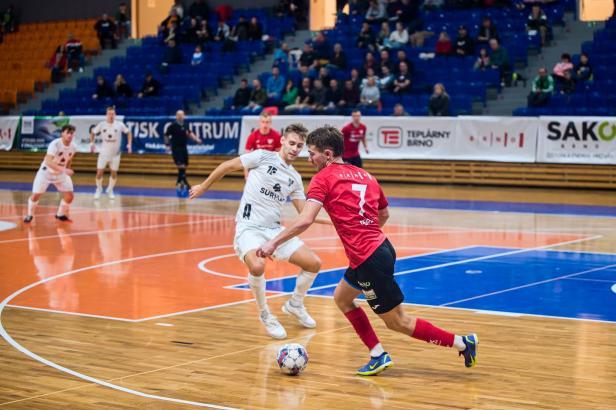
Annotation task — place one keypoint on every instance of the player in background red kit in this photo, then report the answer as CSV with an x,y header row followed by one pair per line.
x,y
358,209
353,133
264,137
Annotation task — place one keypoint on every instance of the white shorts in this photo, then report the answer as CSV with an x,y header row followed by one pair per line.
x,y
250,237
62,182
104,158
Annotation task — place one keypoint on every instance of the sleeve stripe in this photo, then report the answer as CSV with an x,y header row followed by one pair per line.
x,y
315,201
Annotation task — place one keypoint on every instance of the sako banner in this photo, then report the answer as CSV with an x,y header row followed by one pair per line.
x,y
8,130
582,140
496,139
219,135
38,132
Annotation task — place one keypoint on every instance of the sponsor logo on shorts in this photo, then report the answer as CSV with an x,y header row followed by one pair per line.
x,y
364,284
369,294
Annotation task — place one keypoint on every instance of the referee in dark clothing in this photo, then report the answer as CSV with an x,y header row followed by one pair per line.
x,y
176,136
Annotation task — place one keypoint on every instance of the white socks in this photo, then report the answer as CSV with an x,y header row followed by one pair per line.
x,y
257,285
31,206
303,282
377,350
112,182
458,343
99,184
63,208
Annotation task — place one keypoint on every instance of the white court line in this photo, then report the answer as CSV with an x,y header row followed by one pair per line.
x,y
593,280
82,376
66,312
130,228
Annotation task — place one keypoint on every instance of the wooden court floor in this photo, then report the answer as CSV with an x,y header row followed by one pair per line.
x,y
140,303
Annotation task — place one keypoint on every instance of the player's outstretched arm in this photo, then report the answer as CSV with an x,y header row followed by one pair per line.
x,y
299,206
383,216
299,225
221,170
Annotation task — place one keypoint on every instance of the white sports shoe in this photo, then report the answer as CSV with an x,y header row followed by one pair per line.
x,y
110,193
97,193
300,313
272,325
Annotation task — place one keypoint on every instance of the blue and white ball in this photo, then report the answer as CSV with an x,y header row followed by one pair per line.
x,y
292,359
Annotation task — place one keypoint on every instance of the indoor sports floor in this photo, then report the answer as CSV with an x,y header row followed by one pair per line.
x,y
141,302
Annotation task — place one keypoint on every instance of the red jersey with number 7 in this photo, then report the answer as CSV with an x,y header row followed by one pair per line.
x,y
352,198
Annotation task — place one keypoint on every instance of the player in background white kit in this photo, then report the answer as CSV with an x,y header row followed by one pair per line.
x,y
55,169
271,180
110,151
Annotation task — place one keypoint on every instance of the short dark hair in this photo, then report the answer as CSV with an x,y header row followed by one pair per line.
x,y
327,137
296,128
68,127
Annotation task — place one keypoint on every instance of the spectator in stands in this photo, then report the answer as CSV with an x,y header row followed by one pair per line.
x,y
177,8
281,57
355,77
318,96
382,39
369,63
255,30
567,83
542,89
292,8
322,48
106,31
204,34
386,81
172,33
401,56
122,19
350,95
338,58
399,37
403,11
197,57
365,38
275,85
57,63
376,12
464,44
169,24
499,58
150,87
258,98
483,61
199,10
583,71
563,65
303,96
402,83
173,55
308,57
537,23
385,61
190,34
444,47
487,31
222,31
121,87
399,111
103,90
334,95
242,95
438,105
419,36
358,7
324,76
240,30
290,94
74,53
370,75
8,20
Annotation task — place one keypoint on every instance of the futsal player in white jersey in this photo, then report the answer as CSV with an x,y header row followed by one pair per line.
x,y
110,151
270,181
55,169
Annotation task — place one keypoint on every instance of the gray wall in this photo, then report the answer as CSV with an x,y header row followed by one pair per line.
x,y
45,10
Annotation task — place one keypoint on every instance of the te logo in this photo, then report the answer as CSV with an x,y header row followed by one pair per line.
x,y
390,137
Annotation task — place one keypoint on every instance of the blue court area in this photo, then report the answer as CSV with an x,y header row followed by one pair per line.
x,y
539,282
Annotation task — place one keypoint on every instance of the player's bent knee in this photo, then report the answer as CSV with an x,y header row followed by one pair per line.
x,y
35,197
68,197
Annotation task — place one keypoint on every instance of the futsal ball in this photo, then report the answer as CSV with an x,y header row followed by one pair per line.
x,y
292,359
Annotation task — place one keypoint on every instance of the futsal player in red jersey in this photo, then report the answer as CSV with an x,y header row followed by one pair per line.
x,y
354,133
264,137
358,209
